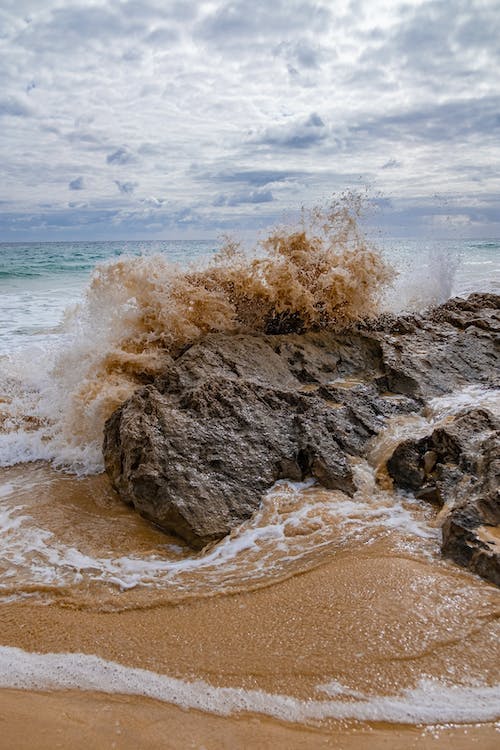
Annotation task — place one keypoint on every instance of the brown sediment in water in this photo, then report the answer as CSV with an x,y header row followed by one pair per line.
x,y
368,614
139,311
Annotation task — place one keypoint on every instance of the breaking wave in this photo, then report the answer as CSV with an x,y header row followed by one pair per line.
x,y
139,312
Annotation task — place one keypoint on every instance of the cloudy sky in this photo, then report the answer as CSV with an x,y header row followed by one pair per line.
x,y
182,118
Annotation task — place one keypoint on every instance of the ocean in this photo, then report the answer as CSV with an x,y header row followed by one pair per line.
x,y
39,281
321,609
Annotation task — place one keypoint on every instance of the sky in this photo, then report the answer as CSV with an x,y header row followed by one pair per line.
x,y
149,119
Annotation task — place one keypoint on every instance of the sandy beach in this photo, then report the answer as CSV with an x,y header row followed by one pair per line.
x,y
372,619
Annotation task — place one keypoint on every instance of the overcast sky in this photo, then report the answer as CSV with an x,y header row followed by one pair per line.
x,y
164,118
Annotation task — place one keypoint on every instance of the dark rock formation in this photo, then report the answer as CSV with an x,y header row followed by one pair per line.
x,y
458,466
195,450
452,345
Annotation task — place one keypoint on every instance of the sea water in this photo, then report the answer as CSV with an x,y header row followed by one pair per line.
x,y
39,281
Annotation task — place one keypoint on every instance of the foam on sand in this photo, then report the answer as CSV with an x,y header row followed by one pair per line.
x,y
429,702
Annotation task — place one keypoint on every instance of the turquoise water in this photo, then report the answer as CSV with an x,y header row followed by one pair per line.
x,y
40,260
39,281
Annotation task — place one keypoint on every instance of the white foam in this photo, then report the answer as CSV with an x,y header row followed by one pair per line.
x,y
295,523
437,411
468,397
430,702
424,278
34,404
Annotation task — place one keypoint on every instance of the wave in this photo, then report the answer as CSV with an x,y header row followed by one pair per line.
x,y
138,312
296,528
20,274
486,245
431,701
47,270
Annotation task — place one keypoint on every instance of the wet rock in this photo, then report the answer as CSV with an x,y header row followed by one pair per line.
x,y
458,466
452,345
199,465
195,450
464,543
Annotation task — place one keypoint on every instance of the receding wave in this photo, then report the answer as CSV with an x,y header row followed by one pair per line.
x,y
18,274
430,701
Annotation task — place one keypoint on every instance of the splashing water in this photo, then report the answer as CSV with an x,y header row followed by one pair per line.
x,y
138,312
425,278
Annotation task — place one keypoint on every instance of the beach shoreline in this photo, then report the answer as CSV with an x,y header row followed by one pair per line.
x,y
81,720
285,639
328,618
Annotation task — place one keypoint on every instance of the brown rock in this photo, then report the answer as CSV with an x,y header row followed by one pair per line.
x,y
458,465
195,450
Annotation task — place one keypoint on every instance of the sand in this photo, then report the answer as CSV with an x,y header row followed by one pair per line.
x,y
373,621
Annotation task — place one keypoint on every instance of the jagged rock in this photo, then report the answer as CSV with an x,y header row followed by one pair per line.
x,y
195,453
465,540
452,345
195,450
458,466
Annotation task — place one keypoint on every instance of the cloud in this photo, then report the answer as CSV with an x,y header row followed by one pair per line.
x,y
77,184
455,120
154,201
301,133
162,36
127,188
302,53
244,197
451,220
391,164
255,107
438,43
232,23
77,27
120,156
132,55
14,107
82,137
255,177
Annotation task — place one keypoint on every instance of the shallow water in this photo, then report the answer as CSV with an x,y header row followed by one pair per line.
x,y
71,538
321,608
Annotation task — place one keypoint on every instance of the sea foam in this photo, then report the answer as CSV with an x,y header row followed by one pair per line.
x,y
429,702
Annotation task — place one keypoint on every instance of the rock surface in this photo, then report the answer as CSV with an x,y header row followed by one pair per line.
x,y
458,466
195,450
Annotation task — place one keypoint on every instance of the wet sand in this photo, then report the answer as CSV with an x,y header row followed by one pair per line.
x,y
86,720
372,621
374,609
369,621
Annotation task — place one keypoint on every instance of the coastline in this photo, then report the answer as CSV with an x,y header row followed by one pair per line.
x,y
371,639
354,617
81,720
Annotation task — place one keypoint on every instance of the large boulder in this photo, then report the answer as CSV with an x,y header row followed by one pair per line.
x,y
195,450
